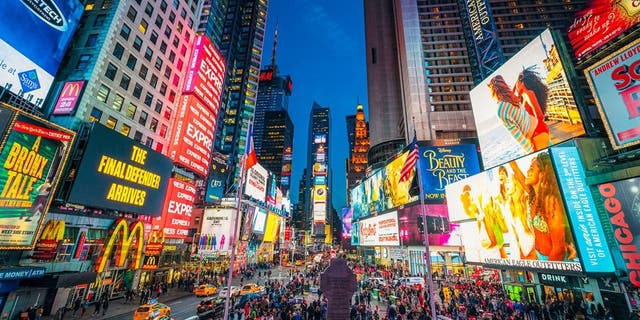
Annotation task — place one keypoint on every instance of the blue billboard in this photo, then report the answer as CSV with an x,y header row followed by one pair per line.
x,y
441,165
482,39
34,36
581,210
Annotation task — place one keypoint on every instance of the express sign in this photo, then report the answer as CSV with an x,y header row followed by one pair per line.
x,y
178,205
205,73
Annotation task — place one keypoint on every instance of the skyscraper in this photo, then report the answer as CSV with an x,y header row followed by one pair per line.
x,y
277,139
357,128
318,168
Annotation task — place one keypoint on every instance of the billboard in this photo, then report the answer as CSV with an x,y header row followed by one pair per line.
x,y
247,225
192,139
216,232
120,174
216,179
484,39
355,233
396,192
381,230
256,185
68,97
31,159
582,211
526,105
621,201
121,236
599,23
440,231
205,73
271,230
346,216
319,204
34,36
374,189
259,220
176,213
50,238
513,215
441,165
615,82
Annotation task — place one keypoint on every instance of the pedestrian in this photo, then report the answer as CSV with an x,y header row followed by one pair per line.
x,y
39,312
85,306
96,311
76,306
105,306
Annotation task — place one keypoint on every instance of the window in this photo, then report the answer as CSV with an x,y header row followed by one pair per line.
x,y
137,136
148,10
154,81
143,72
167,114
159,147
159,21
118,50
163,88
149,142
143,26
132,13
159,63
179,27
172,96
143,118
183,13
131,111
118,100
124,82
172,16
148,99
95,115
103,93
176,80
111,71
137,43
183,50
83,61
99,22
163,47
187,35
176,42
167,72
131,62
125,129
137,91
158,107
163,130
111,122
125,31
167,31
148,54
154,124
154,37
163,6
176,4
92,39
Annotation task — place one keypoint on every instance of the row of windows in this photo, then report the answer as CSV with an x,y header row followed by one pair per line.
x,y
111,122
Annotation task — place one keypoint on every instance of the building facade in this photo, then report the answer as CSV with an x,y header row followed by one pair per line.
x,y
358,131
318,165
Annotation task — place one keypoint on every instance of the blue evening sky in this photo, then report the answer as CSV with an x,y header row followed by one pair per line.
x,y
321,45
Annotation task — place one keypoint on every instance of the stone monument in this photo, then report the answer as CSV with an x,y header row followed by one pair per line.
x,y
338,283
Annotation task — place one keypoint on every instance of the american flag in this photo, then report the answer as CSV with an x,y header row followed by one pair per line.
x,y
410,163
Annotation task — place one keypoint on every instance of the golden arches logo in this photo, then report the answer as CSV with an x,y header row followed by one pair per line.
x,y
53,230
71,89
156,236
128,234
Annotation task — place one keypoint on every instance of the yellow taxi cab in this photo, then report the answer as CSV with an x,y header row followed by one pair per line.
x,y
151,311
205,290
250,288
299,262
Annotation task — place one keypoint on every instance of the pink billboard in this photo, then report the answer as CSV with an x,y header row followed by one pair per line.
x,y
68,98
205,73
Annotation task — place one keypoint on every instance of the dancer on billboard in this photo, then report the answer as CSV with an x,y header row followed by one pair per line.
x,y
533,93
512,198
491,224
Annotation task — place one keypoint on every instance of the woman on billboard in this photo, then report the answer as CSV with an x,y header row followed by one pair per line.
x,y
533,93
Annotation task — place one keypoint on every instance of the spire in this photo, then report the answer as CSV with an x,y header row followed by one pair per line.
x,y
275,43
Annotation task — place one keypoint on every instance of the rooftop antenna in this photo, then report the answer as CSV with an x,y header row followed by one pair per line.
x,y
275,43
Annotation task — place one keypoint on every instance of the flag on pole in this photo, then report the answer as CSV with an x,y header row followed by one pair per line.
x,y
410,163
250,157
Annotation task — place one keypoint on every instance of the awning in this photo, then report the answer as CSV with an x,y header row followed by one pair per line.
x,y
61,280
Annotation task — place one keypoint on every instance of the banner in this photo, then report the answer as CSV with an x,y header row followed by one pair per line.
x,y
247,225
320,204
441,165
513,215
205,73
526,105
381,230
614,82
216,232
346,215
217,176
32,157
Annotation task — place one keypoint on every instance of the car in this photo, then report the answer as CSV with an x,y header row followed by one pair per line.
x,y
205,290
417,282
152,311
250,288
235,291
209,304
246,298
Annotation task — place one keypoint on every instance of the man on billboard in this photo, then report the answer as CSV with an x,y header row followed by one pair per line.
x,y
40,202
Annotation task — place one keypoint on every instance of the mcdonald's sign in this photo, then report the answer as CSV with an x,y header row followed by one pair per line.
x,y
50,238
150,262
126,234
68,97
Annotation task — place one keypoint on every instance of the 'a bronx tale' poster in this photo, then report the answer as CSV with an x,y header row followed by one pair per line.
x,y
31,160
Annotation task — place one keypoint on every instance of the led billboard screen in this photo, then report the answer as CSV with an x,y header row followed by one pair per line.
x,y
31,158
271,230
599,23
440,231
178,205
513,215
381,230
442,165
256,186
34,36
615,82
217,228
68,97
217,176
120,174
526,105
346,216
355,233
320,204
259,220
205,73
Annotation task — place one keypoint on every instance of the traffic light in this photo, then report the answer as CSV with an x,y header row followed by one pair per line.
x,y
420,224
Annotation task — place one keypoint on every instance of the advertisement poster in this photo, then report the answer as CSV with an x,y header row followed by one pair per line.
x,y
247,225
514,216
381,230
217,228
259,220
319,204
177,211
34,36
355,233
346,215
273,225
68,97
483,42
442,165
32,157
614,82
583,214
526,105
621,200
440,231
397,192
601,22
205,73
120,174
217,176
49,241
359,202
256,186
374,189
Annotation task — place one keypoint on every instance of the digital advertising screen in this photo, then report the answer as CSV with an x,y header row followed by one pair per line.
x,y
441,165
599,23
32,155
68,97
346,216
374,189
359,202
615,83
205,73
514,216
320,204
34,36
483,43
381,230
178,205
216,180
526,105
397,192
355,233
271,230
256,186
259,220
247,226
121,174
440,231
216,232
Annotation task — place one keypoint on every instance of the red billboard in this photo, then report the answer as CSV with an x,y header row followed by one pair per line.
x,y
176,213
192,137
68,98
205,73
599,23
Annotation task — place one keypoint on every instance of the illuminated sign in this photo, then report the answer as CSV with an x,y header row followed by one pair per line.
x,y
319,204
259,220
320,180
513,216
439,231
615,82
381,230
217,230
271,230
205,73
265,75
192,139
582,211
621,200
601,22
50,238
484,40
31,159
346,215
125,234
217,176
247,225
319,169
176,214
256,186
68,97
319,138
120,174
446,164
355,233
34,36
153,250
548,114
